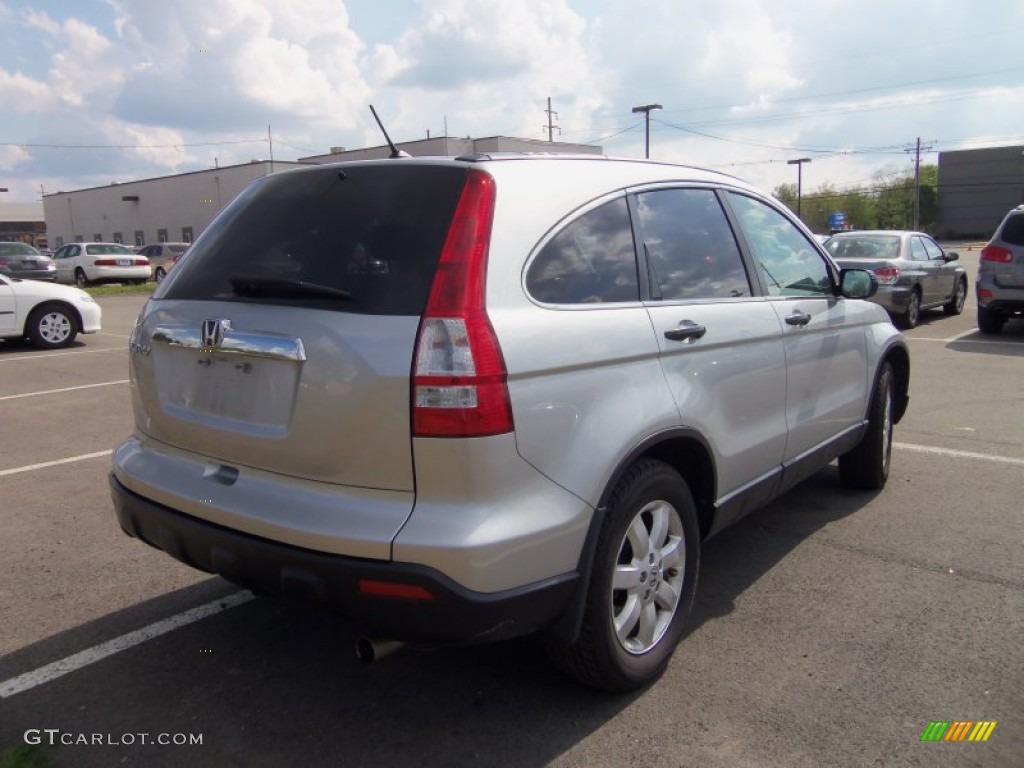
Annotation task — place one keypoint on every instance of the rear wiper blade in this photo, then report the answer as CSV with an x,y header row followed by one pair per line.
x,y
256,287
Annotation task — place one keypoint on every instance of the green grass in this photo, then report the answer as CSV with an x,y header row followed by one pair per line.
x,y
117,290
26,756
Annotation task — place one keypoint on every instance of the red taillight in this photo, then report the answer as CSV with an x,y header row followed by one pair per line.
x,y
459,378
105,263
886,275
141,261
997,254
375,588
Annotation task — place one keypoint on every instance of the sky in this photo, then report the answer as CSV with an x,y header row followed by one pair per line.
x,y
97,91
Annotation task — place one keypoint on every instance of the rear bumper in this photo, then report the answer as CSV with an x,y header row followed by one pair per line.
x,y
997,298
895,298
455,615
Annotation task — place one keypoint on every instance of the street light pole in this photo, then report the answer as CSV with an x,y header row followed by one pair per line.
x,y
799,163
646,109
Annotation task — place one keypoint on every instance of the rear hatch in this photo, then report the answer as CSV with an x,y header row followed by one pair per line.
x,y
284,340
1010,274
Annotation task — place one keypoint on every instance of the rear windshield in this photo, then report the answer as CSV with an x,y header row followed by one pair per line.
x,y
865,247
369,235
1013,229
96,250
17,249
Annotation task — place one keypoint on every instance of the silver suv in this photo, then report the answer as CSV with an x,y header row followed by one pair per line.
x,y
1000,285
467,399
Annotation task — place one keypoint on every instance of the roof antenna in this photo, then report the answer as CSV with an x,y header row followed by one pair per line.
x,y
395,151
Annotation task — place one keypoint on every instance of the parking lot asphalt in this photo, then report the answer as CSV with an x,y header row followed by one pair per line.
x,y
830,628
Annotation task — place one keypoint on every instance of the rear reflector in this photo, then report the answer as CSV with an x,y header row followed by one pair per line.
x,y
997,254
459,376
374,588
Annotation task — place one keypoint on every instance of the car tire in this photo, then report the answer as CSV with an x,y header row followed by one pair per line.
x,y
51,326
159,275
649,537
81,280
912,316
990,322
867,466
956,303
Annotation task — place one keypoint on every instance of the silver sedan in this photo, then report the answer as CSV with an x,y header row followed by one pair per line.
x,y
912,271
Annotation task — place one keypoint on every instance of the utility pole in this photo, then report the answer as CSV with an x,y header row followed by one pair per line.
x,y
270,140
917,179
799,163
646,109
551,126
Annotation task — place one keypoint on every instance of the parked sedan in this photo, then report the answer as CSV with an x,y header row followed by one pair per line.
x,y
85,263
49,315
161,256
913,272
24,261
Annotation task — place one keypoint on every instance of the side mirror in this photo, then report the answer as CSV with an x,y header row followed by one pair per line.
x,y
952,256
857,284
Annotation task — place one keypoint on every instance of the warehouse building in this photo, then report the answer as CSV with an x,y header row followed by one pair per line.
x,y
22,222
166,209
976,189
178,208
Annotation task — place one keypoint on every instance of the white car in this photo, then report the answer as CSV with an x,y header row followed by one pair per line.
x,y
50,315
85,263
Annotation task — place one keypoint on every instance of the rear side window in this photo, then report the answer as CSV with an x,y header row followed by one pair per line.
x,y
1013,229
691,250
917,250
372,233
592,260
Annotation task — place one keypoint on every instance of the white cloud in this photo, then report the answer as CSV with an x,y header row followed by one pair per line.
x,y
487,72
24,94
11,156
235,63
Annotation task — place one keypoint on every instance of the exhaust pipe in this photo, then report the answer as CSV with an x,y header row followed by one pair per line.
x,y
370,649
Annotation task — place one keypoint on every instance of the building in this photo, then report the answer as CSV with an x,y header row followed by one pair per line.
x,y
976,189
452,146
23,222
165,209
178,208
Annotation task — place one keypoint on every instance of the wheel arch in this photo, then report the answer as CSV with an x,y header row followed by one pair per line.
x,y
686,451
41,306
899,358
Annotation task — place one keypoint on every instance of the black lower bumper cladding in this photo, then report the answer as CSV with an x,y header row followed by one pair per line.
x,y
455,615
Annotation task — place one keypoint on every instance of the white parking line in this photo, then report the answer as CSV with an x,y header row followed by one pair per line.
x,y
99,652
958,454
61,354
45,464
64,389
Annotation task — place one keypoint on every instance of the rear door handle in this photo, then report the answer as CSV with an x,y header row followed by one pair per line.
x,y
798,318
687,330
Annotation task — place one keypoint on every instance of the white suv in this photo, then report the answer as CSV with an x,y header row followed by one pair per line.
x,y
467,399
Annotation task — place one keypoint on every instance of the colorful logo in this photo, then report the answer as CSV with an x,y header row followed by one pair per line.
x,y
958,730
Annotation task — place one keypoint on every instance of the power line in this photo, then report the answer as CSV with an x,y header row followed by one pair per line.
x,y
24,145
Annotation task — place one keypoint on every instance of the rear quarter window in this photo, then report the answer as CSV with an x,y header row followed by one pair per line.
x,y
374,231
592,260
1013,230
